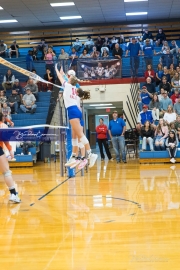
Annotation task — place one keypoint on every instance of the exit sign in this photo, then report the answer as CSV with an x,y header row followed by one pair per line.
x,y
108,110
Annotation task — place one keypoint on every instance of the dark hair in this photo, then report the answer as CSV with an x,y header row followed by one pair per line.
x,y
83,93
33,70
153,98
149,124
172,140
101,119
1,116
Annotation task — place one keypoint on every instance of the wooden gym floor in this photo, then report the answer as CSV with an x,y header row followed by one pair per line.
x,y
116,217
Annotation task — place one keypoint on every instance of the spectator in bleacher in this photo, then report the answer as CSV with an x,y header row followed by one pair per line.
x,y
14,101
177,106
159,74
43,46
6,111
105,53
175,82
35,53
50,78
148,52
29,61
89,44
165,47
165,85
167,58
161,133
77,45
14,50
3,49
29,100
144,115
3,99
94,53
170,115
144,98
150,73
99,43
155,106
117,52
8,80
135,50
117,128
121,39
172,144
147,134
160,37
177,125
178,70
73,56
171,71
106,43
84,54
150,86
114,40
165,102
147,35
161,95
175,96
63,55
178,57
32,86
174,47
49,59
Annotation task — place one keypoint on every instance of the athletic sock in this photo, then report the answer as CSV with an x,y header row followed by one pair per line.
x,y
73,155
12,190
89,152
82,158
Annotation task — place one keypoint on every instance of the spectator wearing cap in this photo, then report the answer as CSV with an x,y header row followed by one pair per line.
x,y
160,37
18,88
8,80
117,52
144,98
3,49
77,45
150,86
31,85
148,52
88,44
29,100
165,102
145,115
14,101
135,50
117,128
14,50
147,35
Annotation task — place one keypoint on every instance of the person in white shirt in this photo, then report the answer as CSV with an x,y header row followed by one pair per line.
x,y
77,45
8,80
29,100
170,115
114,40
89,44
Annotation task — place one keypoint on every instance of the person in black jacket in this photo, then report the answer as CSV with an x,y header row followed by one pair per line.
x,y
160,37
165,85
150,86
147,134
147,35
117,51
14,101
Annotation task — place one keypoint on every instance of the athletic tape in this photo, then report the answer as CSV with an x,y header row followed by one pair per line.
x,y
25,72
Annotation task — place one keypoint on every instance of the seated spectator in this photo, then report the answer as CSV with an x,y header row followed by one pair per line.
x,y
144,98
77,45
165,85
150,73
155,106
172,126
148,52
166,74
99,43
49,60
165,47
147,134
117,52
14,101
32,86
114,40
34,80
178,57
175,82
63,55
177,127
43,46
85,54
105,52
6,111
106,43
29,100
165,103
160,37
73,56
159,74
35,53
175,96
161,95
89,44
174,47
170,115
95,53
144,115
121,39
18,88
14,50
147,35
171,71
177,106
50,78
26,145
29,61
172,144
167,58
8,80
150,86
3,99
161,133
3,49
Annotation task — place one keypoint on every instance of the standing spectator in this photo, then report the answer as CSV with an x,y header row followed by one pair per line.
x,y
147,35
49,59
14,50
101,131
29,61
159,74
117,52
3,49
160,37
3,99
8,80
29,100
6,111
114,40
144,98
167,58
170,115
43,46
14,101
32,86
34,53
172,144
73,56
178,57
150,73
134,49
150,86
147,134
89,44
165,103
50,78
95,53
177,106
161,133
77,45
165,85
84,54
148,52
18,88
99,43
117,128
106,43
155,106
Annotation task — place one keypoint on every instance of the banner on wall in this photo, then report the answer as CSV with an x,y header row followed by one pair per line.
x,y
91,69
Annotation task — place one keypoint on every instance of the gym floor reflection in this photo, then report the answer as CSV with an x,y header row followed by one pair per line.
x,y
116,216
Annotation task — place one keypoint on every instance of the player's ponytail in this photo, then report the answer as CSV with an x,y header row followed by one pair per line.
x,y
83,94
1,116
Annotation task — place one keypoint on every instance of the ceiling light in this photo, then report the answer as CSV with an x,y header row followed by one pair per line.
x,y
105,107
95,105
1,7
70,17
8,21
136,13
134,0
62,4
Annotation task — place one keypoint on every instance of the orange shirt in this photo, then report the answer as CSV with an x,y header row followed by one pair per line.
x,y
9,147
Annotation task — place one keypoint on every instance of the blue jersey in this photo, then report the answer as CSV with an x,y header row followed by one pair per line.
x,y
116,126
148,50
134,49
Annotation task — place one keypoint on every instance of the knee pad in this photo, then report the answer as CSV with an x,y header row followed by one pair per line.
x,y
7,173
84,140
81,145
75,142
